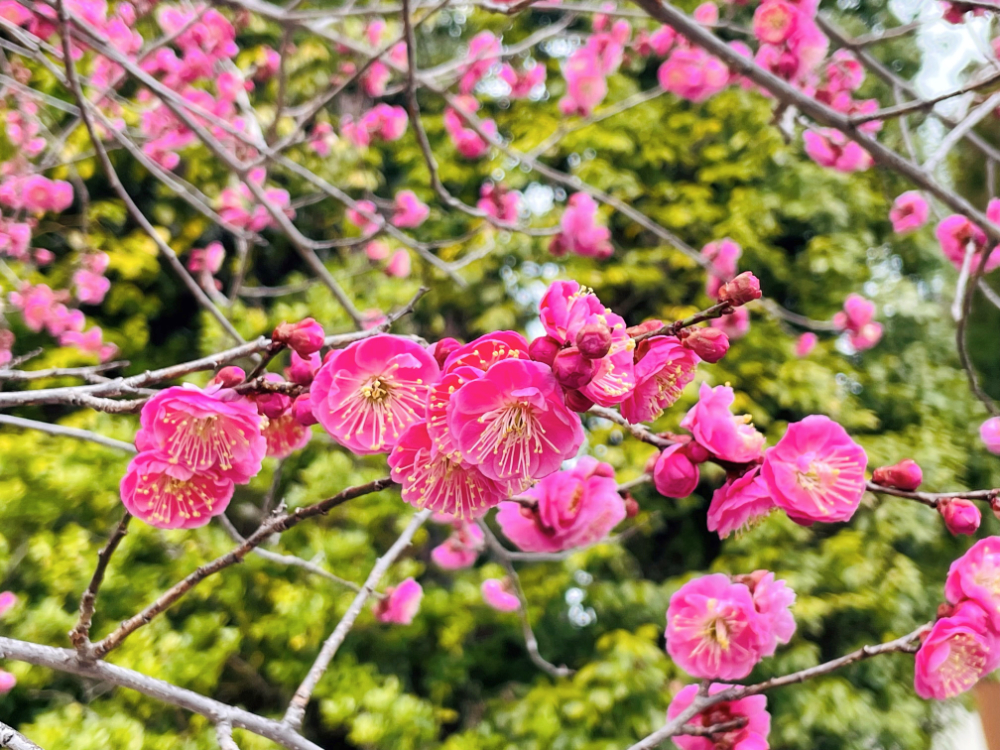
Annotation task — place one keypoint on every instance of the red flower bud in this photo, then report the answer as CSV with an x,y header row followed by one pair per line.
x,y
305,337
594,340
302,411
303,369
906,475
441,349
744,288
995,506
572,369
228,377
710,344
631,506
945,610
578,402
960,516
544,349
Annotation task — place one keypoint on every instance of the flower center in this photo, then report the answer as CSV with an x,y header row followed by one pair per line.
x,y
375,391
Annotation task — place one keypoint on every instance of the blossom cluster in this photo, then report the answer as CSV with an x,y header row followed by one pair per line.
x,y
964,643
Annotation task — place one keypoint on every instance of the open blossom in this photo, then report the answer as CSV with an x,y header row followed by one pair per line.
x,y
773,600
461,549
727,437
90,287
401,603
161,492
7,682
7,600
751,736
775,21
579,231
366,395
586,85
40,194
207,259
408,210
359,217
513,423
675,474
574,508
499,201
956,654
498,594
816,472
693,74
203,431
856,318
713,628
441,481
909,212
523,82
831,148
958,235
484,53
976,576
487,350
468,142
285,434
736,325
661,374
739,503
989,433
399,264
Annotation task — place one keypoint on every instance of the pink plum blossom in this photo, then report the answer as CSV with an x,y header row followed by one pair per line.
x,y
775,21
816,472
586,85
304,337
751,736
499,595
904,475
723,256
208,259
469,143
579,231
856,319
438,480
499,201
735,325
523,82
662,372
805,343
359,217
739,503
727,437
7,682
989,433
484,53
960,516
322,138
976,576
573,508
693,74
366,395
956,654
675,474
203,431
773,600
714,629
706,14
513,423
90,287
40,194
461,549
161,492
831,148
399,264
7,600
401,603
484,352
909,212
383,122
408,210
957,235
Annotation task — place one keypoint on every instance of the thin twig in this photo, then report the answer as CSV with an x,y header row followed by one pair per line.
x,y
79,636
73,432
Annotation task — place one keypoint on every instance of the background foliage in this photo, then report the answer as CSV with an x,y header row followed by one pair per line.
x,y
458,678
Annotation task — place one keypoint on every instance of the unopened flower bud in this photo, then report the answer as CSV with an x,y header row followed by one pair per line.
x,y
945,610
272,405
544,349
302,369
228,377
441,349
305,337
906,475
576,401
572,369
302,411
744,288
960,516
710,344
594,340
631,506
995,506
